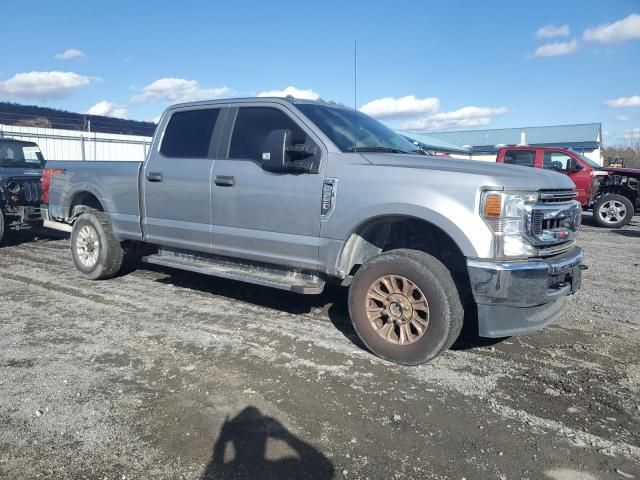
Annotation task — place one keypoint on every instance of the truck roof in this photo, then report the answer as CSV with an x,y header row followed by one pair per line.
x,y
19,142
536,147
282,100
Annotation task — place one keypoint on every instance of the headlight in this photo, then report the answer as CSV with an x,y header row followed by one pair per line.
x,y
504,213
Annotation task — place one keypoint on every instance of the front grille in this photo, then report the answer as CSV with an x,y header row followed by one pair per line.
x,y
27,191
540,224
32,191
552,223
557,196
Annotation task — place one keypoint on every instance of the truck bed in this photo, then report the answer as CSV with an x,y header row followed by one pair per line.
x,y
114,184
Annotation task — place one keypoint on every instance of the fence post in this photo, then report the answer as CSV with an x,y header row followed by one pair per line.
x,y
82,147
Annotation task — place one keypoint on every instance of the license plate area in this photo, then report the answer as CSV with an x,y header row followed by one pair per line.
x,y
572,276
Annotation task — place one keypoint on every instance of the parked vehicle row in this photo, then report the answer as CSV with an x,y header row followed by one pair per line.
x,y
295,194
613,193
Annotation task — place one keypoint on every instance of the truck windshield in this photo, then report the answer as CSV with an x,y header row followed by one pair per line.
x,y
20,154
588,161
342,125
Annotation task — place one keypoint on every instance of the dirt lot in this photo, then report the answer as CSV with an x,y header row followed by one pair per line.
x,y
162,374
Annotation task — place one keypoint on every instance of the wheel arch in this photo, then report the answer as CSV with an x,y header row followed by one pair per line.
x,y
81,201
623,190
386,232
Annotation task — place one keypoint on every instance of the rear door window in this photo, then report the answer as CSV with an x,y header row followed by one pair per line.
x,y
188,134
252,126
524,158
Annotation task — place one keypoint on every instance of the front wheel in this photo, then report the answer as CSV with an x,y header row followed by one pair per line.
x,y
612,211
405,306
96,252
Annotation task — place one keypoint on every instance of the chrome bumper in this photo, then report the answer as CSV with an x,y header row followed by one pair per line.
x,y
519,297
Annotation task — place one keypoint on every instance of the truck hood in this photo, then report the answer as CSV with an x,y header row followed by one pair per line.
x,y
20,172
489,173
631,172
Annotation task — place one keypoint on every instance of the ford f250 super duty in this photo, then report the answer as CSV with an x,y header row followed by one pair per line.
x,y
294,194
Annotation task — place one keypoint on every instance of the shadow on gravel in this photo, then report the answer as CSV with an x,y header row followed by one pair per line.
x,y
25,236
333,300
627,233
587,219
254,446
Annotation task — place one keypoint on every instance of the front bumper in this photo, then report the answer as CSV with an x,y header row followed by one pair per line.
x,y
44,211
522,296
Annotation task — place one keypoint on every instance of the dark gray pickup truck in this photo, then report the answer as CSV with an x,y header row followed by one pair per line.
x,y
21,166
294,194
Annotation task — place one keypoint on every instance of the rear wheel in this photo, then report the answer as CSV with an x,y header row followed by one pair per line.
x,y
3,226
612,211
96,252
405,306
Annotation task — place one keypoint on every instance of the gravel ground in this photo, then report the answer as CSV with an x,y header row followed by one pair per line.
x,y
163,374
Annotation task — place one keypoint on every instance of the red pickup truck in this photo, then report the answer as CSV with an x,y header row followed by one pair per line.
x,y
612,193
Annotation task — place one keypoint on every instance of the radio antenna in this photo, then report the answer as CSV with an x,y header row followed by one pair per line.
x,y
355,75
355,95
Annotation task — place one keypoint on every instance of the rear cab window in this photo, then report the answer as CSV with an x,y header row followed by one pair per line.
x,y
188,134
524,158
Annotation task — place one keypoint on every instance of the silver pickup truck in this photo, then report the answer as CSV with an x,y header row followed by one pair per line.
x,y
294,194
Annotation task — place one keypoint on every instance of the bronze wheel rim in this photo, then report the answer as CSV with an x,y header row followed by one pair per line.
x,y
397,309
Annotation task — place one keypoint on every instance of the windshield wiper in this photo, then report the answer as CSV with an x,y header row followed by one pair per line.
x,y
375,149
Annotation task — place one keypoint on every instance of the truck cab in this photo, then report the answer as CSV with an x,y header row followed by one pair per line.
x,y
612,193
580,169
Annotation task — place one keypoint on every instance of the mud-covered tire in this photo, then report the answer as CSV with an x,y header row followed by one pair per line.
x,y
433,281
92,230
3,226
618,203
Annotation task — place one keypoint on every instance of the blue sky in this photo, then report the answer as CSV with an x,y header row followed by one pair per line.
x,y
421,65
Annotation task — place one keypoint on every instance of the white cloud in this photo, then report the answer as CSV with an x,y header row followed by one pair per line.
x,y
622,118
176,90
403,107
71,54
293,91
464,117
556,48
108,109
633,101
421,114
626,29
550,31
42,85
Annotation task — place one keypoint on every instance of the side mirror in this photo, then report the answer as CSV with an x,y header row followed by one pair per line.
x,y
573,166
280,155
274,151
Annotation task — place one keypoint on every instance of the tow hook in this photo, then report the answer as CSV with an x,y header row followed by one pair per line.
x,y
583,267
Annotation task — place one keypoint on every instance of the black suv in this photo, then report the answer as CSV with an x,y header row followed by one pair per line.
x,y
21,166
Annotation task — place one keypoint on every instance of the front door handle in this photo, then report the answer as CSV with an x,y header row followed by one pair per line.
x,y
224,181
154,177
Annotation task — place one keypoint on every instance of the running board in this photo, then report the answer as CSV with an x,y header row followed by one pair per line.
x,y
258,274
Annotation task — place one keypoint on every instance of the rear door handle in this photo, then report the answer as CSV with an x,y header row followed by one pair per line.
x,y
224,181
154,177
